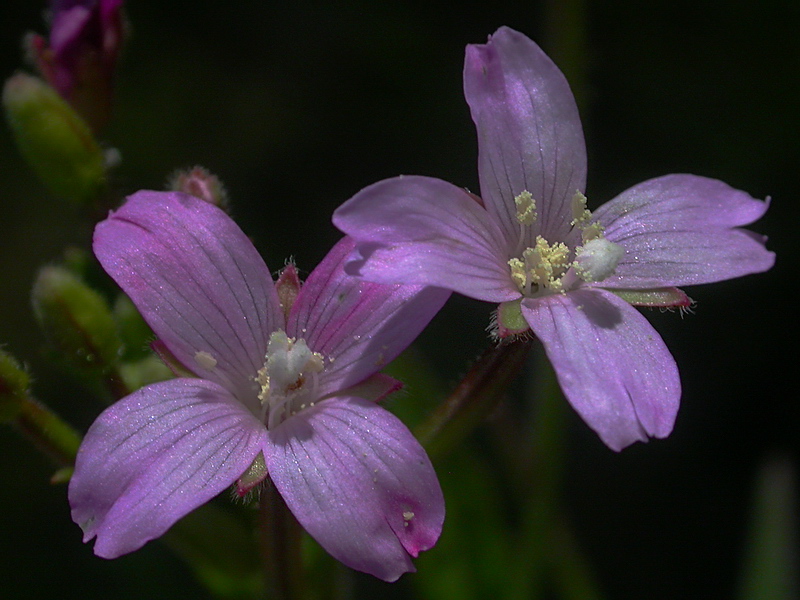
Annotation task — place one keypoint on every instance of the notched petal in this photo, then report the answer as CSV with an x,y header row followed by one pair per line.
x,y
683,230
613,367
156,455
196,279
359,483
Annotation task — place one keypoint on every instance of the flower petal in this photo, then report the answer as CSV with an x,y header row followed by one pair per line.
x,y
358,325
612,365
359,483
197,280
529,132
155,456
419,230
681,230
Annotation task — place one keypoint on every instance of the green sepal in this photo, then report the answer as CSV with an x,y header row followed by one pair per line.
x,y
510,320
76,320
668,297
54,140
14,382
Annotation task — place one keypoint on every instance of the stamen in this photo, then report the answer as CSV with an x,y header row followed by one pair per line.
x,y
592,232
580,214
518,274
542,266
582,219
548,268
526,208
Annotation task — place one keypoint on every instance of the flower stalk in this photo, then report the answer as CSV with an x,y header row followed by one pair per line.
x,y
48,432
474,398
36,421
280,536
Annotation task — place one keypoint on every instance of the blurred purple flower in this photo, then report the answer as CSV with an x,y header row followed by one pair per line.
x,y
285,387
532,245
81,55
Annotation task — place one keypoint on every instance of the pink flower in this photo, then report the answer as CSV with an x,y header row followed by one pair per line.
x,y
285,385
81,55
532,245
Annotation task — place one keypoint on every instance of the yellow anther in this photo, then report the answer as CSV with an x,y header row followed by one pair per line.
x,y
518,275
580,214
526,208
582,219
543,266
592,232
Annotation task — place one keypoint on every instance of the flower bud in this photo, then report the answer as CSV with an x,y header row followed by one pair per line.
x,y
54,140
14,383
76,320
201,183
288,287
80,57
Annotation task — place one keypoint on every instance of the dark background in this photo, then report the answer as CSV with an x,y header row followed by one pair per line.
x,y
298,107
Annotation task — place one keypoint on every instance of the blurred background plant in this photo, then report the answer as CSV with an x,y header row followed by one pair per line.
x,y
297,106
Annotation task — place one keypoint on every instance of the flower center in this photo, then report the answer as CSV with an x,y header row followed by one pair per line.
x,y
288,378
553,267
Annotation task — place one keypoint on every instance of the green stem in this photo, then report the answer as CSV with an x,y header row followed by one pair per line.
x,y
474,398
570,569
540,472
48,432
280,546
549,550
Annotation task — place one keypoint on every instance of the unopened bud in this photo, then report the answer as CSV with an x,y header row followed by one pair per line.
x,y
201,183
288,287
14,383
76,320
54,140
80,57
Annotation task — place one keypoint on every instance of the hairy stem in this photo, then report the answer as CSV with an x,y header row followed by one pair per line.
x,y
474,398
48,432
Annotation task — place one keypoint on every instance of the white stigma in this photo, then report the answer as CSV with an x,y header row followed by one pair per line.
x,y
597,259
288,377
